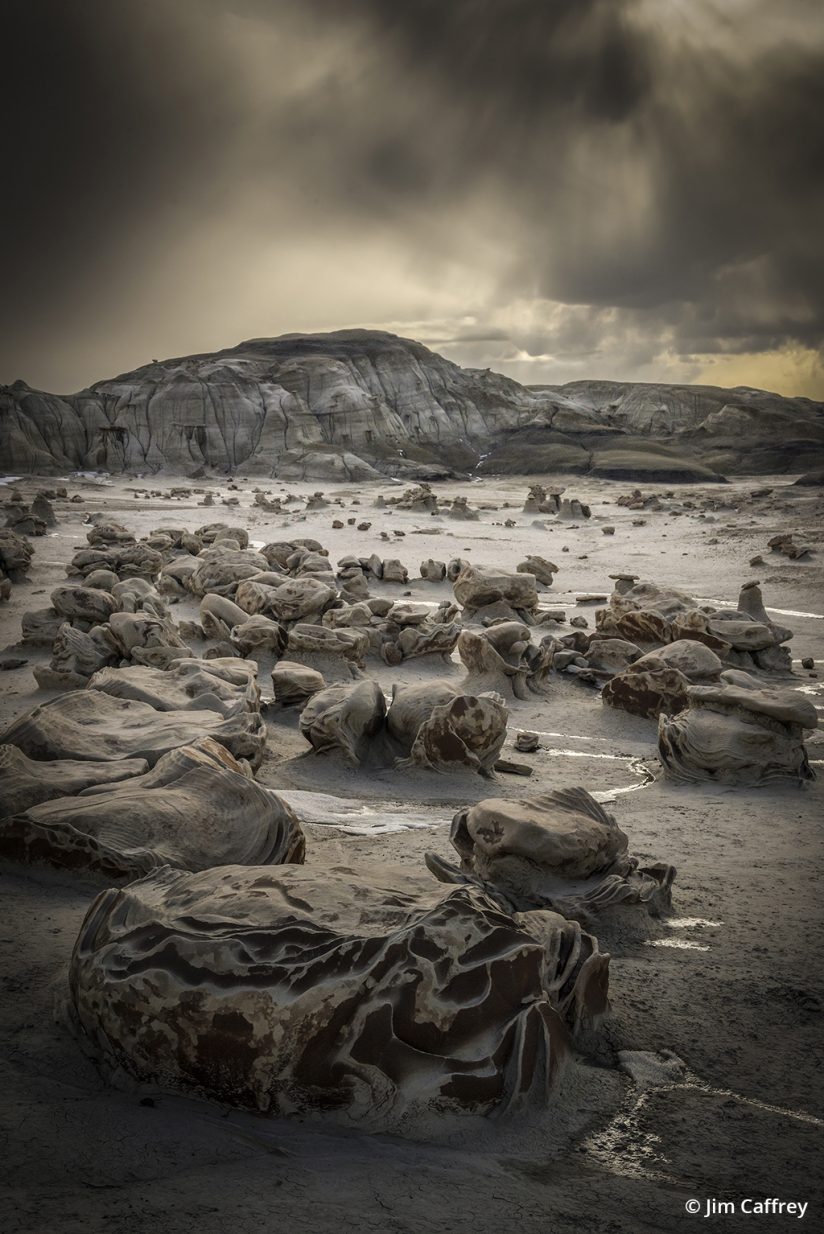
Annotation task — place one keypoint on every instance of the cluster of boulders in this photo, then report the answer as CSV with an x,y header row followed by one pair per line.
x,y
657,653
22,520
233,970
355,573
785,545
432,725
320,623
420,498
272,505
743,637
637,500
539,501
32,518
147,773
119,620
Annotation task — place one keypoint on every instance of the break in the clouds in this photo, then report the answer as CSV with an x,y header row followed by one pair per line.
x,y
553,188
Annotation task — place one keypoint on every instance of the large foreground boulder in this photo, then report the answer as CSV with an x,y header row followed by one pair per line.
x,y
361,996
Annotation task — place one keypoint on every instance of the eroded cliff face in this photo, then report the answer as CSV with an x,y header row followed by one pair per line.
x,y
357,392
345,404
735,430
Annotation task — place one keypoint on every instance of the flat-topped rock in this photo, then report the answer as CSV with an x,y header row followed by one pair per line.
x,y
558,850
739,733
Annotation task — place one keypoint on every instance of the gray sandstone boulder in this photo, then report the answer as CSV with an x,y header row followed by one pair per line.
x,y
195,809
481,591
738,732
559,851
91,725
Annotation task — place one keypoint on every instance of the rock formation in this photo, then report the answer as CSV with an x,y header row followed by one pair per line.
x,y
427,725
195,809
439,727
185,686
15,557
353,995
355,404
738,732
653,616
503,659
485,593
656,432
344,717
293,684
89,724
560,850
26,782
302,406
649,688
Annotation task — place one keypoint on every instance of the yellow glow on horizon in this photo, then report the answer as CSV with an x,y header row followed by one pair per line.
x,y
792,371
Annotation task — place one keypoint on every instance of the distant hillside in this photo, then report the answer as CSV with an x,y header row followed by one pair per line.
x,y
355,404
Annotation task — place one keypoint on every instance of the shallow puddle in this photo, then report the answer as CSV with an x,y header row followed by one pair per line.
x,y
682,944
782,612
553,752
684,923
356,817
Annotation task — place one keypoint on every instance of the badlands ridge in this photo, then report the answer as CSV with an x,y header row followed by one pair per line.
x,y
359,404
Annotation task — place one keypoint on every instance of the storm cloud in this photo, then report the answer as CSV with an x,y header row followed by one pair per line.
x,y
555,188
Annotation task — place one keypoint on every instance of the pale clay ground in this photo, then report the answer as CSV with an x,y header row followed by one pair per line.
x,y
739,998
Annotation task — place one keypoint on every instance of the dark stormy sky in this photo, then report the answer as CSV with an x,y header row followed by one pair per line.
x,y
552,188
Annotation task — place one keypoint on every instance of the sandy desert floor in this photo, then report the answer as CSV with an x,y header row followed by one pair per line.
x,y
727,994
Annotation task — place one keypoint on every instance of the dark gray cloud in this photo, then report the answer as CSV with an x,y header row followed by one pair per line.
x,y
110,112
653,167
